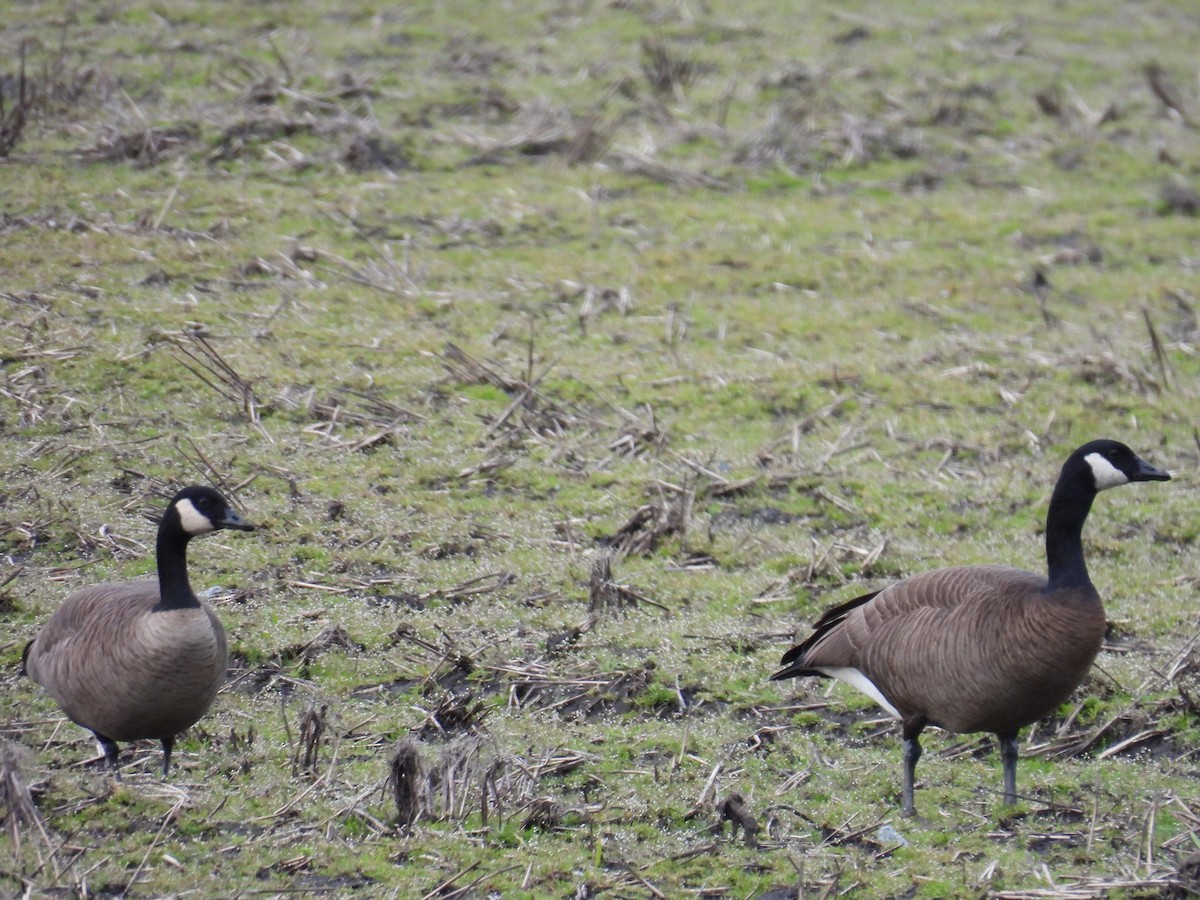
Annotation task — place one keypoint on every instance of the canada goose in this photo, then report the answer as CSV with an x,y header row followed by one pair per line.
x,y
140,659
979,648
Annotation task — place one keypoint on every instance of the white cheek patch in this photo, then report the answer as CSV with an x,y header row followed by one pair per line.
x,y
855,678
1106,474
192,520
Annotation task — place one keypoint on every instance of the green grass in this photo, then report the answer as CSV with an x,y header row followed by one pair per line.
x,y
792,286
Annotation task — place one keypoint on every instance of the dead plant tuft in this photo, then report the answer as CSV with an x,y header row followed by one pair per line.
x,y
455,714
466,369
589,139
637,437
543,814
733,810
53,88
13,116
540,130
640,164
16,800
1162,88
666,73
144,147
1179,197
1185,676
560,642
602,590
404,780
466,778
239,137
1134,728
666,515
580,696
328,638
1050,100
531,413
604,593
368,152
197,354
312,728
467,54
1106,368
812,128
1189,873
344,409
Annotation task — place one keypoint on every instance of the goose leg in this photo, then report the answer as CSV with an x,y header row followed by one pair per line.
x,y
1008,758
109,748
168,744
912,752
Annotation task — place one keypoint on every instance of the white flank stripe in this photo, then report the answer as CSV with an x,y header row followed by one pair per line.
x,y
192,520
857,679
1106,474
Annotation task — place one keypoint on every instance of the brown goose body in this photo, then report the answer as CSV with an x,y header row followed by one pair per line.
x,y
969,648
140,659
124,670
979,648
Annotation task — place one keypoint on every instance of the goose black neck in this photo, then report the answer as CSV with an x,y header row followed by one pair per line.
x,y
1069,507
174,590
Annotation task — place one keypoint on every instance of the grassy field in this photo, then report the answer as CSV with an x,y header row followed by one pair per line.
x,y
759,304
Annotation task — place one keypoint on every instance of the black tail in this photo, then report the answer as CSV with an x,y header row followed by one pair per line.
x,y
793,660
